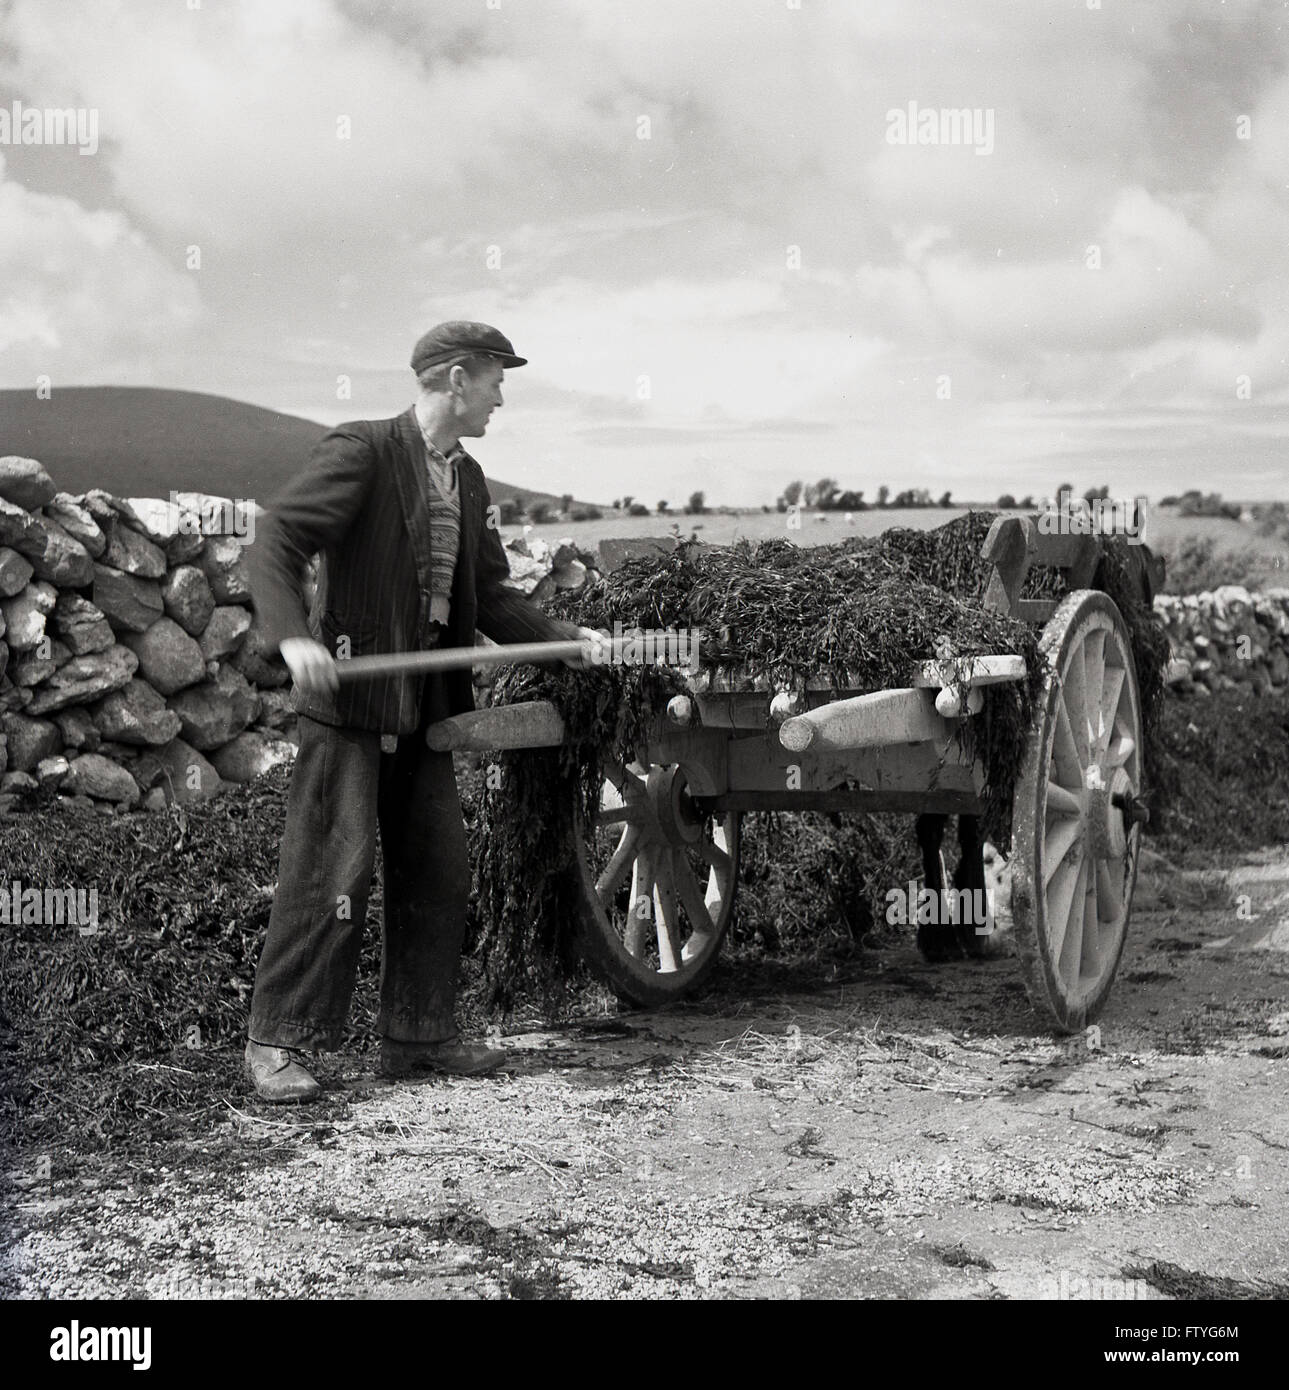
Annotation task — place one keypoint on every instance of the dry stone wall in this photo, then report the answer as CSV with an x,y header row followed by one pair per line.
x,y
131,668
1226,638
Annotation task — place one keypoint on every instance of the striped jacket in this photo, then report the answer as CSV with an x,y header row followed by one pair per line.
x,y
362,504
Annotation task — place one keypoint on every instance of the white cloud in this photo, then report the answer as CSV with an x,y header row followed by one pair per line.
x,y
83,295
516,128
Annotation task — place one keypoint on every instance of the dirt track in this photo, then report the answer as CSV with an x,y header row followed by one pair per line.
x,y
902,1130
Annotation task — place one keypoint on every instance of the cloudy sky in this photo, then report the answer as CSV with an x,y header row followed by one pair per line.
x,y
697,219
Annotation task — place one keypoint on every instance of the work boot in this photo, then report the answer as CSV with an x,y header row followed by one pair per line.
x,y
454,1057
279,1074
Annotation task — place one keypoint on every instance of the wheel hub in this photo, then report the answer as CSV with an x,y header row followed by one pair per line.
x,y
1110,813
672,807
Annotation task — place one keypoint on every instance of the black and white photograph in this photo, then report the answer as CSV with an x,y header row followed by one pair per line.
x,y
644,657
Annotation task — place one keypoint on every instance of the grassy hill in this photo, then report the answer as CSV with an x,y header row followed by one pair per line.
x,y
139,441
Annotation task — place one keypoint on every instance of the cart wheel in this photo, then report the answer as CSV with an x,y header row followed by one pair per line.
x,y
1076,817
657,880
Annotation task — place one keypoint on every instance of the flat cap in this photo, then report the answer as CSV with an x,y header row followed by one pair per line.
x,y
460,338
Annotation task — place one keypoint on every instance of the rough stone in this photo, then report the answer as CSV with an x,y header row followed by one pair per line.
x,y
216,711
15,572
129,550
224,563
275,711
228,625
94,775
569,576
129,603
29,740
18,527
188,600
77,729
250,754
25,483
25,614
77,522
81,625
136,714
18,782
40,663
168,658
157,519
186,775
13,697
185,547
85,678
251,659
57,557
50,772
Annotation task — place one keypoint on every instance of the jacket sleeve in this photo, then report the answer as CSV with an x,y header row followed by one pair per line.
x,y
504,614
313,513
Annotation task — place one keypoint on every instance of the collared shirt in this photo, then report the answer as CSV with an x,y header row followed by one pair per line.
x,y
445,521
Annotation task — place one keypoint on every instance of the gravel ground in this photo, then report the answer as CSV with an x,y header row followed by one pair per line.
x,y
898,1130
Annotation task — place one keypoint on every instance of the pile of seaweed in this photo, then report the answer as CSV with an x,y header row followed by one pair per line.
x,y
101,1029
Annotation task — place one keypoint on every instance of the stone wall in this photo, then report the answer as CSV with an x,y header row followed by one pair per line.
x,y
1227,638
131,668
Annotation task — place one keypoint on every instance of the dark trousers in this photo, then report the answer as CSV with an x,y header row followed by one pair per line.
x,y
342,786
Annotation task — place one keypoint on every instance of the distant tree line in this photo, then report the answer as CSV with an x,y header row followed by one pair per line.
x,y
827,496
1193,502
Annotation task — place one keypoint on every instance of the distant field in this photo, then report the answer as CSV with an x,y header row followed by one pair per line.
x,y
1241,554
817,528
1167,528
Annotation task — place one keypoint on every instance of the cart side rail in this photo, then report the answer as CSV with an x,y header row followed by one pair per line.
x,y
1014,546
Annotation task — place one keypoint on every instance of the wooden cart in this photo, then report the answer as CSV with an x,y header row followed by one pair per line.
x,y
658,868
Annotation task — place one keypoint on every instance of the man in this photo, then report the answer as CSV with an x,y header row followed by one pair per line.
x,y
409,559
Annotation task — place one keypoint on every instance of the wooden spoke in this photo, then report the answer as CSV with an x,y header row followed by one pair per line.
x,y
714,855
607,883
1090,945
691,899
1108,709
1070,957
640,912
1121,749
1093,681
1065,751
1110,891
1060,897
1075,699
667,914
628,784
1059,844
716,890
1061,802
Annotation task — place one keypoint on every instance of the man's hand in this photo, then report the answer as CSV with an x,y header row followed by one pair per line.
x,y
597,649
311,666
